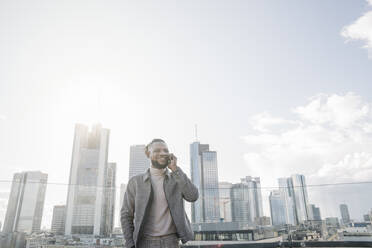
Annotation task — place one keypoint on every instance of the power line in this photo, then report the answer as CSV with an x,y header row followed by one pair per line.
x,y
206,188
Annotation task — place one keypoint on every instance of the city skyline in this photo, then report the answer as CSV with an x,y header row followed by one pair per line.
x,y
294,184
241,214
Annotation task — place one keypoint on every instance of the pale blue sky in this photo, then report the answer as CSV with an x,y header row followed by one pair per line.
x,y
149,69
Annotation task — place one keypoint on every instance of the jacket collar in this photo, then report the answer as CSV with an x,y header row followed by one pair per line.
x,y
147,174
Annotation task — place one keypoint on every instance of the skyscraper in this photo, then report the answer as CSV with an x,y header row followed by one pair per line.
x,y
294,193
58,220
314,212
254,196
332,221
240,203
91,191
138,161
110,195
246,200
204,175
225,201
277,208
26,202
123,188
367,217
344,213
300,197
287,194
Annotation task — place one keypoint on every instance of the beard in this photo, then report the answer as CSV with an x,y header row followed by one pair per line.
x,y
158,165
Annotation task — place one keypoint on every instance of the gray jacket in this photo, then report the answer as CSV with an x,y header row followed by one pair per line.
x,y
137,199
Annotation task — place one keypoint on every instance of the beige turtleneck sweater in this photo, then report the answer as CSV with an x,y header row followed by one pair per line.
x,y
159,221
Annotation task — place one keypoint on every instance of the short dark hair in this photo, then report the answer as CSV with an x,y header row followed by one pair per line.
x,y
149,144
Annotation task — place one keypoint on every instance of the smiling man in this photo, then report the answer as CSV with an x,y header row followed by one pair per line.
x,y
153,213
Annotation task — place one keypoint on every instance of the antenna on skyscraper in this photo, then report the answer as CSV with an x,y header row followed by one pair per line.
x,y
196,132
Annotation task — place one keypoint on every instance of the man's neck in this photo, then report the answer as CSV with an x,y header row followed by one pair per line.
x,y
157,171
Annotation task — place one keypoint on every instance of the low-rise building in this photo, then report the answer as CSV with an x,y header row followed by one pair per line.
x,y
13,240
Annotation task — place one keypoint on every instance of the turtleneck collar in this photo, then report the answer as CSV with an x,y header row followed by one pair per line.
x,y
157,172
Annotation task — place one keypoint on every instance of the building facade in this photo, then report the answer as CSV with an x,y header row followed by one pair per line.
x,y
240,203
277,208
314,212
58,220
300,197
225,201
294,194
332,221
26,202
91,191
110,198
287,194
246,200
254,196
344,213
138,161
366,217
204,175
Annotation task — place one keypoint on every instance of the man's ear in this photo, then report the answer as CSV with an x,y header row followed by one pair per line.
x,y
147,152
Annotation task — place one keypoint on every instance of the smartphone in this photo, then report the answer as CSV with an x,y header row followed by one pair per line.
x,y
169,159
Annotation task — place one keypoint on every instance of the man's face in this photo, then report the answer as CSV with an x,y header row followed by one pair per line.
x,y
159,155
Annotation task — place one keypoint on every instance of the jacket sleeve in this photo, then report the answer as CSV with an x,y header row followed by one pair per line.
x,y
127,214
189,191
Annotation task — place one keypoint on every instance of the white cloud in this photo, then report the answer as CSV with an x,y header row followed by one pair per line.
x,y
355,167
266,122
328,140
336,110
324,130
361,30
2,117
